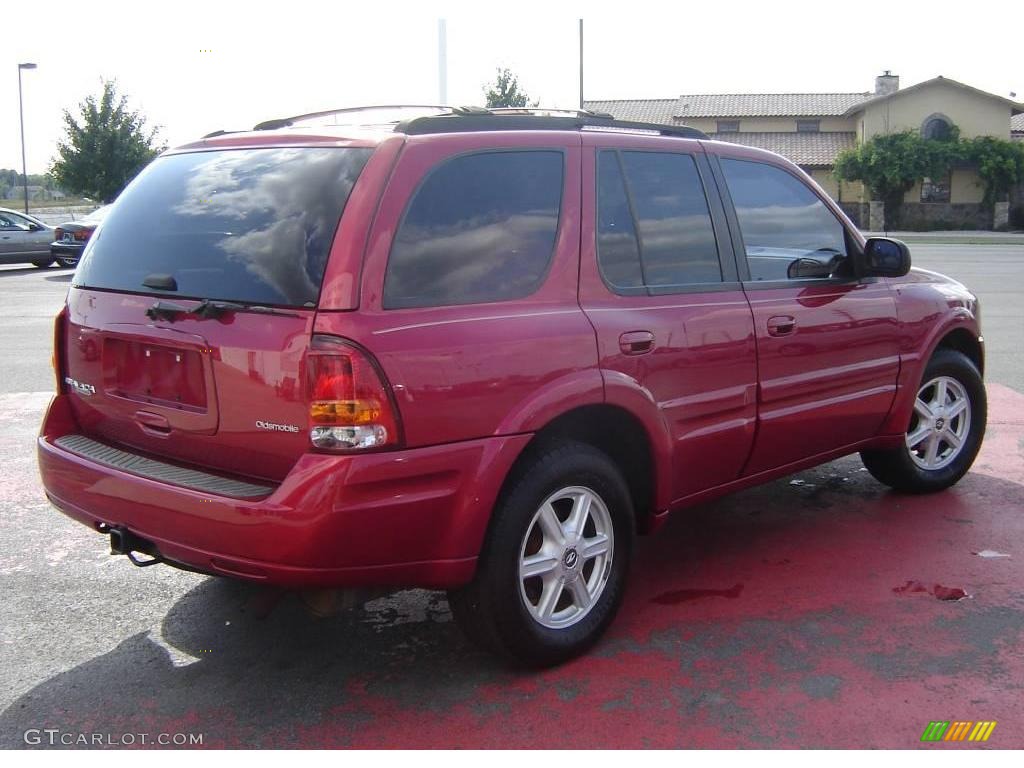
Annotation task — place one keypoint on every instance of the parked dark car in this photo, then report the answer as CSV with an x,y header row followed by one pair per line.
x,y
24,239
480,351
70,237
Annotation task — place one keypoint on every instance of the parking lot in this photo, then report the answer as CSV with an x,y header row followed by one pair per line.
x,y
809,612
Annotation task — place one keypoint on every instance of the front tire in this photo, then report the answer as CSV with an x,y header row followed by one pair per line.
x,y
42,263
552,570
945,430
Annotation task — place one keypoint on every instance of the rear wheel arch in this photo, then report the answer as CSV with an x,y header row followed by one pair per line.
x,y
614,431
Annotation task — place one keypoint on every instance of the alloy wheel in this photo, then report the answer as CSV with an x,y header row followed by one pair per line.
x,y
566,557
941,423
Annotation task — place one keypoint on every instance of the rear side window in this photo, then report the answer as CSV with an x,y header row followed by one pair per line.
x,y
247,225
781,219
480,228
654,230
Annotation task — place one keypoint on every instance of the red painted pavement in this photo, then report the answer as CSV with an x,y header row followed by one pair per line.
x,y
774,618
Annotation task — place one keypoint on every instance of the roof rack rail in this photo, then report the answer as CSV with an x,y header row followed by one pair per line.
x,y
538,120
284,122
448,119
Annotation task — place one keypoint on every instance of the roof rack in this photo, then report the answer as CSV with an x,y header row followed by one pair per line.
x,y
441,109
538,120
448,119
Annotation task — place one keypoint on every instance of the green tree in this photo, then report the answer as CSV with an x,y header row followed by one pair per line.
x,y
104,147
1000,164
891,164
505,92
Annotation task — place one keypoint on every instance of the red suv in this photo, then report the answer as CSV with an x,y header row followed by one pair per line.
x,y
479,351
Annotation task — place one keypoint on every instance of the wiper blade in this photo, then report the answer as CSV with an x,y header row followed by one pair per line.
x,y
210,310
166,310
213,309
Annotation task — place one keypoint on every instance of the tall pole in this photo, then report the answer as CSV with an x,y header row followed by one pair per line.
x,y
442,62
21,119
581,63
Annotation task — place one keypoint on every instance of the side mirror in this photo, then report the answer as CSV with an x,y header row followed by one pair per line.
x,y
805,269
885,257
33,227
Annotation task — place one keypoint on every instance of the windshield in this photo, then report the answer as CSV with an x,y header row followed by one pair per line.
x,y
246,225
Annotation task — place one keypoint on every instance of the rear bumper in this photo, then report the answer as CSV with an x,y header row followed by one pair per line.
x,y
408,518
66,249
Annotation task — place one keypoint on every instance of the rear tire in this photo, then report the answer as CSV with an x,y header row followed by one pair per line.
x,y
945,430
552,571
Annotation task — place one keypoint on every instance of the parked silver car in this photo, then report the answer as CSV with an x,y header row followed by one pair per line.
x,y
24,239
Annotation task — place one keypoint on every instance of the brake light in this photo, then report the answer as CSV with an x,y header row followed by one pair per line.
x,y
83,234
350,404
57,358
58,233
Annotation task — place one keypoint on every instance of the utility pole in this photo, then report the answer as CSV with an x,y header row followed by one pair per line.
x,y
442,62
21,119
581,63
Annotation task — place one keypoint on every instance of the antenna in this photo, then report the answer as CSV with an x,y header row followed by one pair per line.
x,y
442,61
581,63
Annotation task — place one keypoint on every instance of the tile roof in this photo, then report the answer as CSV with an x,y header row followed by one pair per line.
x,y
817,149
729,105
766,104
873,99
640,110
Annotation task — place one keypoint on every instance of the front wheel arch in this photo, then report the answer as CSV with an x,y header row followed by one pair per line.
x,y
900,467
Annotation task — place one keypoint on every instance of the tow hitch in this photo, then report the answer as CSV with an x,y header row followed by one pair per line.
x,y
124,542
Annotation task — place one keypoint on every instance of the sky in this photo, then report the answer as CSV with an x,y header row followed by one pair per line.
x,y
192,68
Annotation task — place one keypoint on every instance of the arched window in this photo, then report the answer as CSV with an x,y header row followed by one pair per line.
x,y
937,127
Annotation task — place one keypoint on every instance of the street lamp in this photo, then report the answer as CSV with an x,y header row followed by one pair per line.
x,y
21,117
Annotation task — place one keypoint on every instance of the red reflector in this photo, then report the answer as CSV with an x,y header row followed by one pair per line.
x,y
57,359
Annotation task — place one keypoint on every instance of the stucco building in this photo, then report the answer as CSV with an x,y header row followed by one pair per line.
x,y
811,129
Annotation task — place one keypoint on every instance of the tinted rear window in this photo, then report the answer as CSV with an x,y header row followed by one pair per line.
x,y
480,228
249,225
662,197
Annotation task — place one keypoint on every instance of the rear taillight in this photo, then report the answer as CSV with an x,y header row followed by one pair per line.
x,y
350,404
83,234
58,233
57,359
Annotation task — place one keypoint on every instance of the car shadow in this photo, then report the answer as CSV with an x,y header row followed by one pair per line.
x,y
250,666
232,647
62,278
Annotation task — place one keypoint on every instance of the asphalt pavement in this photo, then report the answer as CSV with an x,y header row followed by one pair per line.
x,y
801,613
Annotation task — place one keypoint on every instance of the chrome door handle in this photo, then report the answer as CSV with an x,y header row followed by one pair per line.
x,y
636,342
781,325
